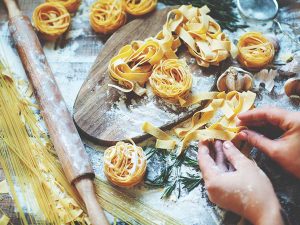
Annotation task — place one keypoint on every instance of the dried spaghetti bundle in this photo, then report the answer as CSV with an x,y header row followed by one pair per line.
x,y
34,175
71,5
107,16
132,67
201,34
171,79
51,20
255,51
139,7
124,164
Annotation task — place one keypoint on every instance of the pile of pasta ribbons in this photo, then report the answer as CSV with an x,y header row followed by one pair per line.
x,y
216,121
155,59
255,51
124,164
70,5
109,15
51,20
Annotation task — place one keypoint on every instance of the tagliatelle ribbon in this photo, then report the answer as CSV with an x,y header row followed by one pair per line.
x,y
223,109
139,7
164,141
107,16
51,20
132,67
203,37
171,79
124,164
70,5
255,51
202,34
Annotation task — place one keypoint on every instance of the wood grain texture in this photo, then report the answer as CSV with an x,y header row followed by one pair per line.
x,y
63,133
105,115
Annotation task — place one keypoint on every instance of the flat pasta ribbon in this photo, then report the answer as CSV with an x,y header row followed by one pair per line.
x,y
124,164
171,79
71,5
201,34
51,20
107,16
139,7
255,51
132,67
164,141
223,110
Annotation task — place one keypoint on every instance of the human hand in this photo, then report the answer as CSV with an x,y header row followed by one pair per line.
x,y
286,148
236,183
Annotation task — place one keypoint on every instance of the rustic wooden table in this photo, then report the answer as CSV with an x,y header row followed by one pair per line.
x,y
74,55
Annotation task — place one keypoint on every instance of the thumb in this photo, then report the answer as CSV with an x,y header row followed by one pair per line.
x,y
259,141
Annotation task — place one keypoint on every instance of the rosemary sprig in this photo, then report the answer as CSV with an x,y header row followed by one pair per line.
x,y
169,189
170,177
191,162
222,11
190,182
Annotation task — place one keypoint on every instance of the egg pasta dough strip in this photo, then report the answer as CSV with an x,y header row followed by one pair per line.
x,y
70,5
194,27
255,51
223,110
124,164
107,16
171,80
51,20
139,7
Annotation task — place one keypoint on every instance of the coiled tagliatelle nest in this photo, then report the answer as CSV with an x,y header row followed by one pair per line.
x,y
255,51
139,7
107,16
171,79
71,5
51,20
124,164
133,65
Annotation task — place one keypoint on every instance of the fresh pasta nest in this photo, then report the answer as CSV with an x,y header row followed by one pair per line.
x,y
51,20
255,51
139,7
124,164
107,16
171,79
132,67
140,62
71,5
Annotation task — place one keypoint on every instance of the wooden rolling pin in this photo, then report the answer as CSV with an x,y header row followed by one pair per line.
x,y
63,133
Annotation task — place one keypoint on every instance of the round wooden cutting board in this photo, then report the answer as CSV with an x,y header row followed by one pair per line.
x,y
106,115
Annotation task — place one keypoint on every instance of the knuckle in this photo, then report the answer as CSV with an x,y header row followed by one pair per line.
x,y
275,153
254,141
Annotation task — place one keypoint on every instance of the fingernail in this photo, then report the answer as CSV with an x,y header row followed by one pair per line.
x,y
243,134
227,144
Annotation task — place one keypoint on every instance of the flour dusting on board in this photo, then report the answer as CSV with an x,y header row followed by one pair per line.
x,y
70,62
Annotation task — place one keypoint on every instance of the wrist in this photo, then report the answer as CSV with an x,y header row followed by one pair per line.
x,y
270,215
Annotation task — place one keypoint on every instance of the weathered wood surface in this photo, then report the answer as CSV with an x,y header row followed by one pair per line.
x,y
286,187
97,110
